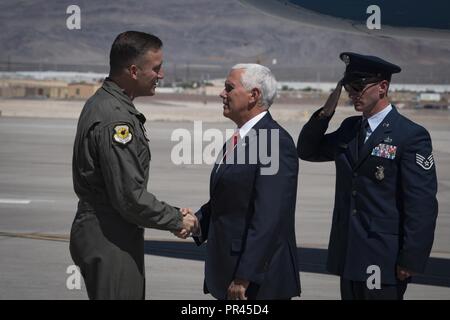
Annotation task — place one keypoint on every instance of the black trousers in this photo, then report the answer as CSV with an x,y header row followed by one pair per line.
x,y
357,290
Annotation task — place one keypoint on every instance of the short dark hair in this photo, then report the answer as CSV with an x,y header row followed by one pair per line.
x,y
129,46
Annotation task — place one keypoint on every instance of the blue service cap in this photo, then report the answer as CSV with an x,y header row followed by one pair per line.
x,y
361,67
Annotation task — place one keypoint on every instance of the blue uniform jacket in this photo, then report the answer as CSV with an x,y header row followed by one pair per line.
x,y
385,202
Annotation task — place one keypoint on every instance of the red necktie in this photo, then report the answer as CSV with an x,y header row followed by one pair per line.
x,y
234,140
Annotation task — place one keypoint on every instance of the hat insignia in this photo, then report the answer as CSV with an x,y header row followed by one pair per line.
x,y
346,59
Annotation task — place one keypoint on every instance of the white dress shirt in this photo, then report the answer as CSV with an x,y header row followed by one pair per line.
x,y
375,120
244,130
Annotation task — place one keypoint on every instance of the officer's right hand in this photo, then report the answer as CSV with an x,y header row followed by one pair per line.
x,y
332,101
190,224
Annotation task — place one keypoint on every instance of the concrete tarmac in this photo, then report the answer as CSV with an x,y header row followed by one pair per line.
x,y
37,206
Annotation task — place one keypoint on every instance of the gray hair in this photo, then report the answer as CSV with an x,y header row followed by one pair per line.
x,y
258,76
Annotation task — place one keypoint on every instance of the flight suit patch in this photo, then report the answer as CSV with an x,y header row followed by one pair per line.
x,y
425,163
122,134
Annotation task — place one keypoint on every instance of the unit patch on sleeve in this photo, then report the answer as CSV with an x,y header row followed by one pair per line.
x,y
122,134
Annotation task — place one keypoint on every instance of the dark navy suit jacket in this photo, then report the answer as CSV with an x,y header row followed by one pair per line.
x,y
249,221
385,204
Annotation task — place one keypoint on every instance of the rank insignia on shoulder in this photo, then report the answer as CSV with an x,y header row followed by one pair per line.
x,y
425,163
385,151
346,59
122,134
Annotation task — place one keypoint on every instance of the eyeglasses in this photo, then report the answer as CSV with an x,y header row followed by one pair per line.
x,y
358,86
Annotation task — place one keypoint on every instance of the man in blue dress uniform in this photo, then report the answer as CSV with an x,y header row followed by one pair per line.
x,y
385,204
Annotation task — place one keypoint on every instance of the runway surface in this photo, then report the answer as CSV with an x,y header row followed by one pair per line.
x,y
37,206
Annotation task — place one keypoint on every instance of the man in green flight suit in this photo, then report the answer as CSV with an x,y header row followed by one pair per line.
x,y
110,173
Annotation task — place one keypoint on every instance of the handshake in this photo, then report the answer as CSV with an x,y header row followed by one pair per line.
x,y
190,224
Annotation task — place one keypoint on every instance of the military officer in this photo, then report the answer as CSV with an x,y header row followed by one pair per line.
x,y
110,173
385,204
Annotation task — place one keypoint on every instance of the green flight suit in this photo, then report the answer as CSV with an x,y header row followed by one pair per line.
x,y
110,167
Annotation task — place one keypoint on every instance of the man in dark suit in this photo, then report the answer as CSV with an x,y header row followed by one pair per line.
x,y
385,204
249,221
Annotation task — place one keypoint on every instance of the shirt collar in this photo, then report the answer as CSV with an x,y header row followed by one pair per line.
x,y
243,131
112,88
377,118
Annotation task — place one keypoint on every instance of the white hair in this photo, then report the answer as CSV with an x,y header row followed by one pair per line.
x,y
258,76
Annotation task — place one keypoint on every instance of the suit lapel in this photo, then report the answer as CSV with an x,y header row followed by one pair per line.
x,y
240,152
217,167
380,133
